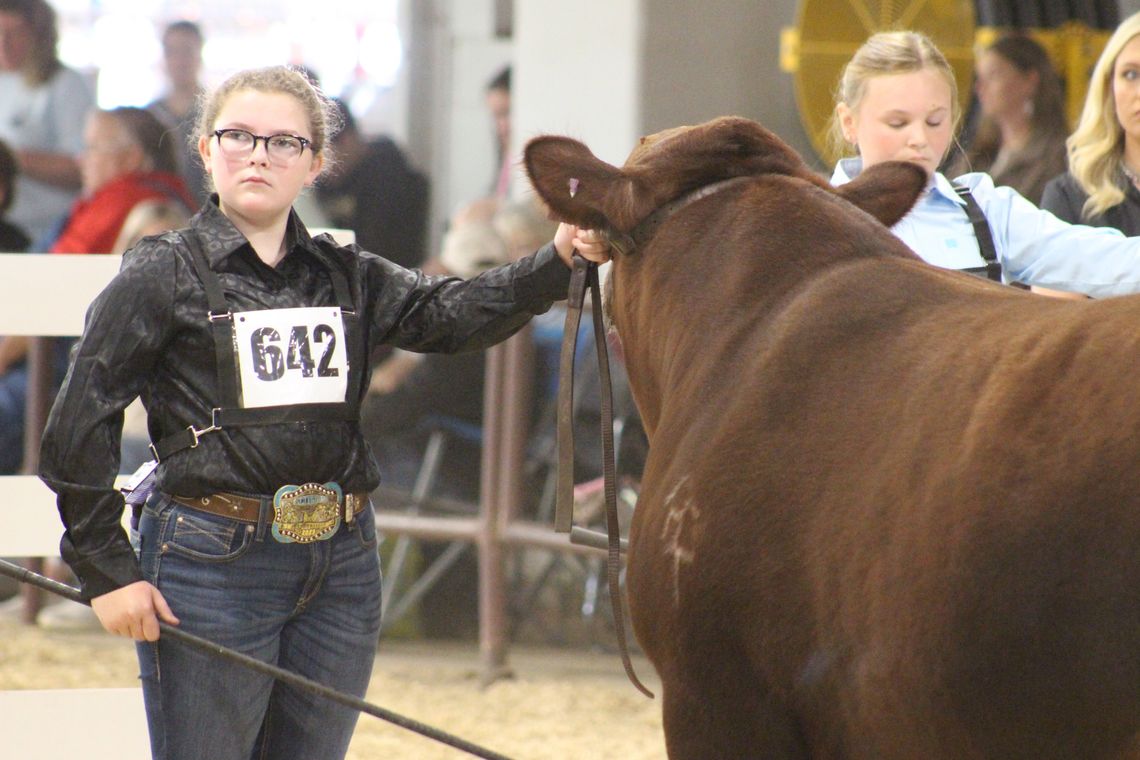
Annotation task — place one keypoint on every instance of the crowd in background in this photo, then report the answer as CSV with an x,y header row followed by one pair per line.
x,y
1087,173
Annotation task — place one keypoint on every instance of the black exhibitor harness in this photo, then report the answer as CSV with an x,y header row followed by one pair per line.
x,y
983,233
235,409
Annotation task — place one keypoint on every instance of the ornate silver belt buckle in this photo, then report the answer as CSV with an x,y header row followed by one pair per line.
x,y
306,513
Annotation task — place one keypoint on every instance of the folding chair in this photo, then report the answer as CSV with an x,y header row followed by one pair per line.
x,y
444,433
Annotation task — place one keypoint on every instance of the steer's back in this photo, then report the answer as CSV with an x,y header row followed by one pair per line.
x,y
911,519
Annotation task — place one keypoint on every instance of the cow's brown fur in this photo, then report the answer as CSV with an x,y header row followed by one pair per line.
x,y
889,511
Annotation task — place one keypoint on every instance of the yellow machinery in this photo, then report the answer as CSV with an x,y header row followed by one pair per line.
x,y
828,32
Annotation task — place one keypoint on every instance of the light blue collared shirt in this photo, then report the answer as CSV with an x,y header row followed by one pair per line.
x,y
1033,246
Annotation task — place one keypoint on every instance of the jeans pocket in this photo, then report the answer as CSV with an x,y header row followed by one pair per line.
x,y
151,532
205,537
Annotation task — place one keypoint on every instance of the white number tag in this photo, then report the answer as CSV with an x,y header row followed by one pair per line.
x,y
291,356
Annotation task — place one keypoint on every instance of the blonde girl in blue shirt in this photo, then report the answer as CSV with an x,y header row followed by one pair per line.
x,y
897,100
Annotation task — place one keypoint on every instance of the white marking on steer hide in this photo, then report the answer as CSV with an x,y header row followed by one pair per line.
x,y
680,516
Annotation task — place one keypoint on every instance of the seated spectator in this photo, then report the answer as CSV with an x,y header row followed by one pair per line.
x,y
12,238
374,191
1020,140
42,107
125,161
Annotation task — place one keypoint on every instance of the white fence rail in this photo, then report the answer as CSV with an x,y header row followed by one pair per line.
x,y
93,724
48,295
42,294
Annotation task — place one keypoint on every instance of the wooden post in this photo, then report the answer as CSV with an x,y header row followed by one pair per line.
x,y
37,404
492,599
506,422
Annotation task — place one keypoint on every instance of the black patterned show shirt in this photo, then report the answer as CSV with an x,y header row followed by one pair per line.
x,y
147,335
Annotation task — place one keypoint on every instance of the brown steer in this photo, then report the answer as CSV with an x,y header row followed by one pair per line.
x,y
889,511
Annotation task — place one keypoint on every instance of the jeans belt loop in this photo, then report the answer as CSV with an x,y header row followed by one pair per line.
x,y
264,518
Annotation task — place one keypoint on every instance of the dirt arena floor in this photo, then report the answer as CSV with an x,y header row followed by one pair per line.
x,y
561,703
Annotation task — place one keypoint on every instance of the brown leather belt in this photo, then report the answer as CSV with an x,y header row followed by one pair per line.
x,y
248,508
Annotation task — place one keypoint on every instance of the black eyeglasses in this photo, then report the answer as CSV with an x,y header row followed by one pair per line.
x,y
281,149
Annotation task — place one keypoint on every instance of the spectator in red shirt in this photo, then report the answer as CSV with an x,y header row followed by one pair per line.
x,y
127,158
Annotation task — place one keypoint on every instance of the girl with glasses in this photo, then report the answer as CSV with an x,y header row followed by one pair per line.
x,y
248,342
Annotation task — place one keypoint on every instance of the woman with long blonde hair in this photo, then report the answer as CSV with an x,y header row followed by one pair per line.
x,y
1102,186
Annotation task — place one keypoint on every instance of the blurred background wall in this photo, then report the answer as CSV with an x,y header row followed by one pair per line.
x,y
605,71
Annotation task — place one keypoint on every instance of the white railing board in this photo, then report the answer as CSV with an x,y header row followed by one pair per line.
x,y
29,520
48,294
93,724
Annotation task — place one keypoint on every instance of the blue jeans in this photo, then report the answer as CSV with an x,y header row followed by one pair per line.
x,y
13,395
13,399
313,609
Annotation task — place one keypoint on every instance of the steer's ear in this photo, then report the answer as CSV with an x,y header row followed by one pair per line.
x,y
578,187
886,191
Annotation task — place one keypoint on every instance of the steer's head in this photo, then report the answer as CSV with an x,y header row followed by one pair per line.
x,y
584,190
750,244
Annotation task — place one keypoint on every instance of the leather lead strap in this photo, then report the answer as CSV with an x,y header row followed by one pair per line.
x,y
609,480
584,275
564,492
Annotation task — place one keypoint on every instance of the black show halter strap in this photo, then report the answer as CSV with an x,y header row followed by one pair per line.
x,y
982,232
585,274
231,413
564,494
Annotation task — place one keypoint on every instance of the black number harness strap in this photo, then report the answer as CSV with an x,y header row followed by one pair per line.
x,y
231,413
982,232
